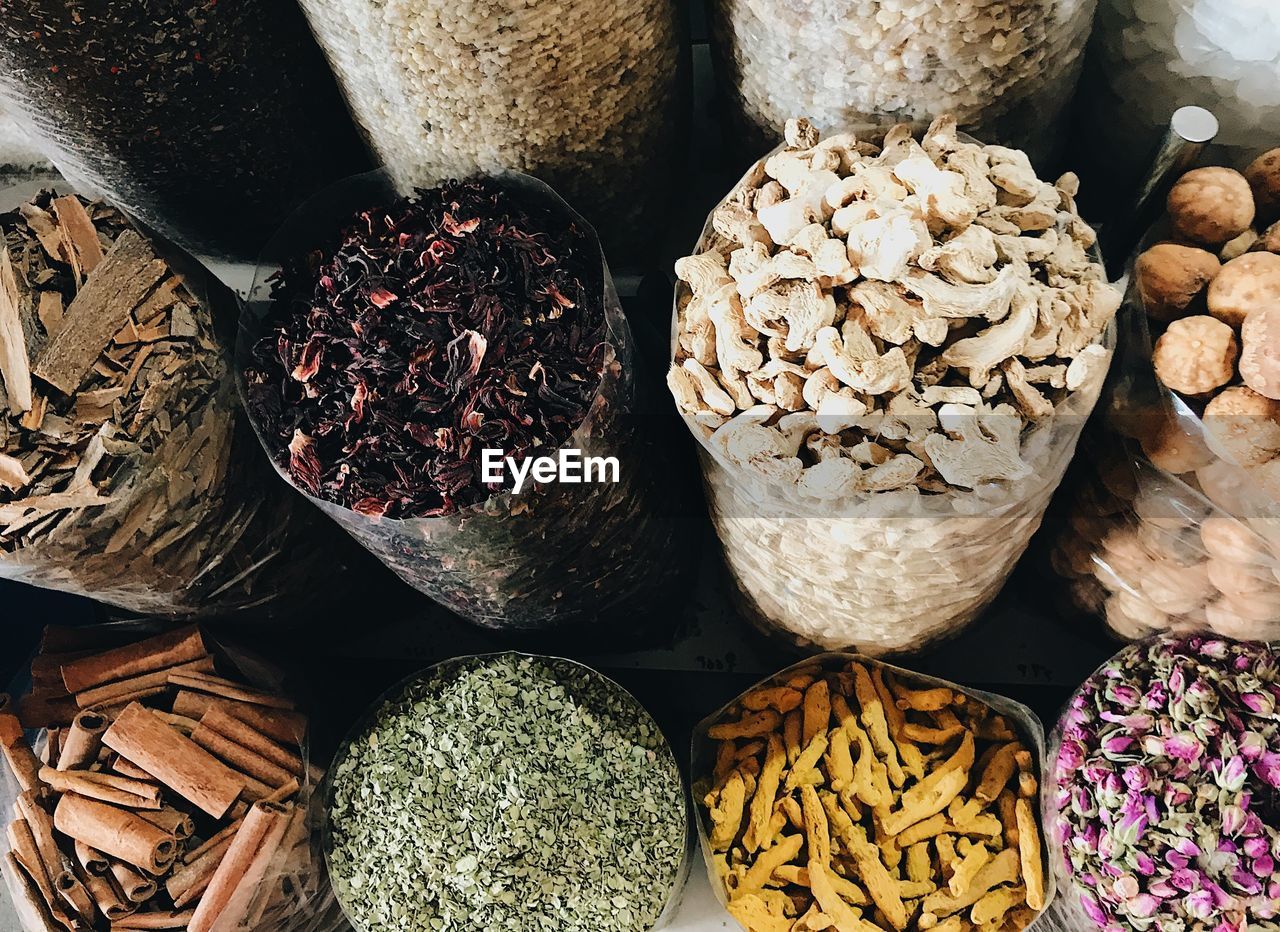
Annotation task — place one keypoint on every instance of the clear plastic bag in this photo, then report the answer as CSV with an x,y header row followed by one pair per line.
x,y
207,122
144,486
1006,70
547,557
1121,802
703,752
880,572
1165,534
286,888
591,97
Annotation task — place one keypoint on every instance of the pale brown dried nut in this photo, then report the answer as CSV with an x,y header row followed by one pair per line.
x,y
1260,349
1170,277
1224,616
1174,588
1196,355
1223,484
1240,579
1243,426
1132,617
1211,205
1174,450
1263,175
1230,540
1246,284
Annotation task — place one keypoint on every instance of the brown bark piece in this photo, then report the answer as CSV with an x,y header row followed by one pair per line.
x,y
15,367
121,282
78,229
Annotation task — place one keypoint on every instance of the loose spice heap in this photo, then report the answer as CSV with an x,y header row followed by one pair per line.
x,y
507,792
125,471
851,800
163,795
870,318
468,317
1167,787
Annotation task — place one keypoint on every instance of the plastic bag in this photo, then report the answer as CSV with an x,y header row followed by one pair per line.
x,y
574,682
547,557
883,572
142,487
208,122
1142,768
704,759
276,880
1165,535
591,97
1007,72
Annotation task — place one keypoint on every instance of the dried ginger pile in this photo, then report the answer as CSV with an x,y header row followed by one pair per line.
x,y
864,319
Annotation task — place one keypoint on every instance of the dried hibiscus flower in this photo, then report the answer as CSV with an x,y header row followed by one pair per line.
x,y
467,317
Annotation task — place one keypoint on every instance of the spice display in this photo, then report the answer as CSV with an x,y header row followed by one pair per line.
x,y
1153,56
507,792
126,470
887,354
1162,803
585,96
846,796
474,316
1176,530
136,810
208,122
1006,70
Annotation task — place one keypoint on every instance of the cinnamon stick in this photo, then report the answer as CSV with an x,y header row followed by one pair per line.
x,y
116,832
23,846
34,913
92,860
176,761
22,761
105,787
128,769
139,922
44,709
241,758
227,898
178,824
278,724
75,896
82,742
79,229
52,746
218,719
157,653
109,694
227,689
191,880
41,825
108,899
135,887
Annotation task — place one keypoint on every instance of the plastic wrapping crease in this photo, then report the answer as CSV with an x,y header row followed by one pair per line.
x,y
546,557
314,908
883,572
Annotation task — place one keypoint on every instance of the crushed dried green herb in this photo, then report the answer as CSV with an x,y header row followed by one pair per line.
x,y
507,792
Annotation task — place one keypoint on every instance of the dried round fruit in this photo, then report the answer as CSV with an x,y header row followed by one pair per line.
x,y
1196,355
1171,276
1263,175
1243,426
1211,205
1245,284
1174,450
1260,352
1270,240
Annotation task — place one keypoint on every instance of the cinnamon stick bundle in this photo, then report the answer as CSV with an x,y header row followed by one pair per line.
x,y
135,887
164,651
22,761
177,762
32,908
115,692
241,758
107,898
282,725
116,832
105,787
227,689
222,722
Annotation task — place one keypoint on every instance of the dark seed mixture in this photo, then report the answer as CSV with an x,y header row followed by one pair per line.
x,y
467,317
210,121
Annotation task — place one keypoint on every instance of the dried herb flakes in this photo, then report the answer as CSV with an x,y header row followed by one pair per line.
x,y
466,317
507,792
